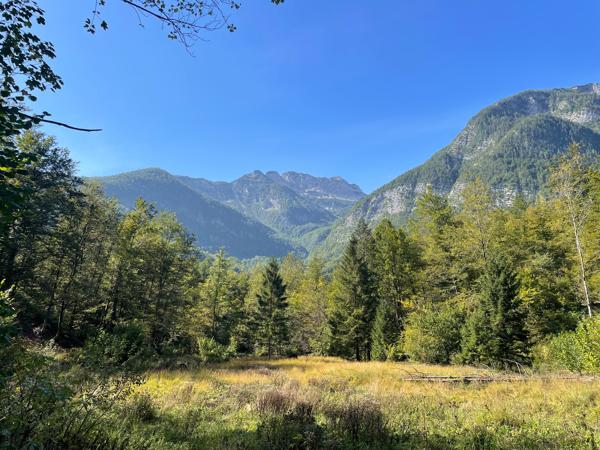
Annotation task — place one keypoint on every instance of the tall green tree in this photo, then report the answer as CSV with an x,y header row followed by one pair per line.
x,y
434,228
219,306
308,310
272,332
52,185
352,305
570,182
395,266
72,277
495,331
541,249
477,228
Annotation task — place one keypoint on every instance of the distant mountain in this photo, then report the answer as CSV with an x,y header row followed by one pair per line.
x,y
298,206
213,224
509,144
333,194
256,215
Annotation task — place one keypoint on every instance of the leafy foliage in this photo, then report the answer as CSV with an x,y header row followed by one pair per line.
x,y
433,332
576,351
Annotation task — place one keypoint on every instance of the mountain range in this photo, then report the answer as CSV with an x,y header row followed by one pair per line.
x,y
509,144
259,214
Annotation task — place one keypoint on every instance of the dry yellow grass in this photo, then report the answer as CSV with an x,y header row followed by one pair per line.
x,y
533,414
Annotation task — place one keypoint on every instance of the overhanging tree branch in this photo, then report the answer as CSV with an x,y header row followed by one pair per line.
x,y
60,124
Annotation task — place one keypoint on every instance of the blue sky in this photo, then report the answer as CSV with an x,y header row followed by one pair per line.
x,y
364,90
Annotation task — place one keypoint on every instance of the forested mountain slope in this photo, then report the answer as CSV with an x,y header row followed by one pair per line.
x,y
298,206
213,224
256,215
509,144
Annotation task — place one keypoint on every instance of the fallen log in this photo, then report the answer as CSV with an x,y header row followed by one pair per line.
x,y
491,379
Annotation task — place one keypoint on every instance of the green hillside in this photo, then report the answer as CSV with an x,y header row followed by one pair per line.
x,y
213,224
509,144
256,215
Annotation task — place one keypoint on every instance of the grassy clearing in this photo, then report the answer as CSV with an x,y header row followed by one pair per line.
x,y
330,403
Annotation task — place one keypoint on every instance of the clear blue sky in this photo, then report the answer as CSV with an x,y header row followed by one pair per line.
x,y
361,89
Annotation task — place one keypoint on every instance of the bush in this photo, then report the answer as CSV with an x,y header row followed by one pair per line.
x,y
575,351
8,316
287,421
289,431
433,334
274,401
357,420
210,351
140,407
124,348
44,406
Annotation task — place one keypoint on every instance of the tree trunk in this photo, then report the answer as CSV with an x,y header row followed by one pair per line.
x,y
581,267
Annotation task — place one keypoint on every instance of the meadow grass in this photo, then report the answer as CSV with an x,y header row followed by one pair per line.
x,y
318,402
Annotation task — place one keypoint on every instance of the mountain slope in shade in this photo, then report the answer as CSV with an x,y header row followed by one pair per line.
x,y
214,224
298,206
510,145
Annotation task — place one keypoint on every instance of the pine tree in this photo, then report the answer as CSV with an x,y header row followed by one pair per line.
x,y
272,305
495,332
350,312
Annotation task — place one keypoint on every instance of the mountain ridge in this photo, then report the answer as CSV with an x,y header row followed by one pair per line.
x,y
288,212
510,144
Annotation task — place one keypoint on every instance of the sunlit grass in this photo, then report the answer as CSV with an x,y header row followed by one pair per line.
x,y
536,413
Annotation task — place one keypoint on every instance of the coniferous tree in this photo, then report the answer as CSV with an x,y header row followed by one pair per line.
x,y
495,332
272,315
365,243
351,307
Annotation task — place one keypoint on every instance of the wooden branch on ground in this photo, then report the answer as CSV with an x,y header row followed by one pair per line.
x,y
491,379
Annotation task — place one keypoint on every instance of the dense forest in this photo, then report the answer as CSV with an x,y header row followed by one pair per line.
x,y
119,292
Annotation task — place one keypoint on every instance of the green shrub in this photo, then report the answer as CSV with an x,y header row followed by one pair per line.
x,y
433,334
126,347
140,407
7,318
289,431
575,351
42,405
210,351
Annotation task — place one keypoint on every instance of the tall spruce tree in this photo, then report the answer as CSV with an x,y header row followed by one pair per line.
x,y
351,308
495,332
272,316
